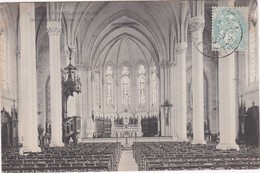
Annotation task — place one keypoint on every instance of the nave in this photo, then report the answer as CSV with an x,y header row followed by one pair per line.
x,y
141,156
86,84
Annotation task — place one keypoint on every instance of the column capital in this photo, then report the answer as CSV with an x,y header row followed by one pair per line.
x,y
170,63
196,23
165,64
181,48
54,28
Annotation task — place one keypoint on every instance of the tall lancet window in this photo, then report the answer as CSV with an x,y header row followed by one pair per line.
x,y
252,53
97,86
125,82
3,61
141,82
154,85
109,87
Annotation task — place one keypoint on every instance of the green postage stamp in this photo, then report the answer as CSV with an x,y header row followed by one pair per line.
x,y
229,28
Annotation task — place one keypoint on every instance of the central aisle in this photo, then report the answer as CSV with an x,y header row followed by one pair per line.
x,y
127,161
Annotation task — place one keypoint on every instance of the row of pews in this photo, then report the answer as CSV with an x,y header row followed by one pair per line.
x,y
159,156
86,157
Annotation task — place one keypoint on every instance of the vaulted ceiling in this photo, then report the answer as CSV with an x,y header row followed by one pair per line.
x,y
93,27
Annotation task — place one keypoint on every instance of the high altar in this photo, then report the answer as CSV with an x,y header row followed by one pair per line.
x,y
126,125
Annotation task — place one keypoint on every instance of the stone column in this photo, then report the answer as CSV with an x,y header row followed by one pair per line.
x,y
27,88
196,25
79,111
1,32
227,103
171,65
175,130
83,98
19,84
149,91
168,97
227,98
90,125
162,96
181,49
54,31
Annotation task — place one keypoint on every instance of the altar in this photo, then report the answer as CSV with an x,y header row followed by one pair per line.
x,y
126,126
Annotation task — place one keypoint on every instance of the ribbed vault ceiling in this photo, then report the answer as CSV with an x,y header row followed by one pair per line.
x,y
96,25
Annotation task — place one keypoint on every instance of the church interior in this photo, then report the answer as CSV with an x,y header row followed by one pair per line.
x,y
113,86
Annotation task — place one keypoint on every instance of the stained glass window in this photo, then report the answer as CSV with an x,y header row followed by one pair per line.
x,y
141,81
109,87
253,77
3,61
154,85
97,87
125,82
252,53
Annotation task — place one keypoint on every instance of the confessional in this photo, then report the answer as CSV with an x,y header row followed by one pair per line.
x,y
149,126
252,125
248,124
9,128
103,127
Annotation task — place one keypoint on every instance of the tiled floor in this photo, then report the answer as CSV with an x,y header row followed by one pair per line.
x,y
127,162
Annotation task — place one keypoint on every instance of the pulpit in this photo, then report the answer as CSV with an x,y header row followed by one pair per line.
x,y
70,84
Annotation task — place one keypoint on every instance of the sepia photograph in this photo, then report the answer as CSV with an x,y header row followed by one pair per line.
x,y
97,86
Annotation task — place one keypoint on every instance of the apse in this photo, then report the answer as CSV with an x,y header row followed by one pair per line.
x,y
125,63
